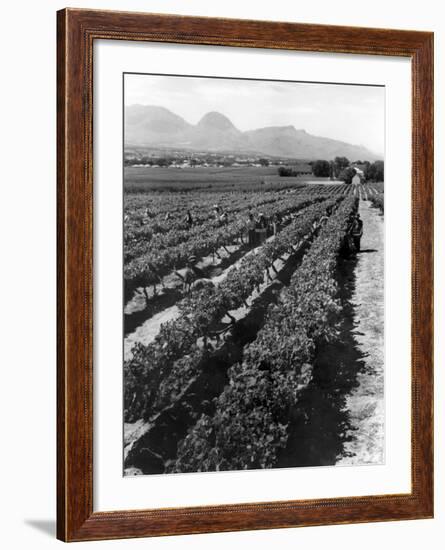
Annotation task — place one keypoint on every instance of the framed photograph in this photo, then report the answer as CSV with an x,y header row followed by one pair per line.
x,y
245,231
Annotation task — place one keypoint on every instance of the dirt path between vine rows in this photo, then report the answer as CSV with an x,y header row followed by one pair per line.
x,y
366,402
147,331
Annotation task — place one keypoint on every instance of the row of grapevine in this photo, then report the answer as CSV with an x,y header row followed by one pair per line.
x,y
141,229
158,262
151,372
249,425
146,241
378,200
139,224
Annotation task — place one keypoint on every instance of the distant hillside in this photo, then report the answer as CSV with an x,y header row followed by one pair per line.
x,y
152,126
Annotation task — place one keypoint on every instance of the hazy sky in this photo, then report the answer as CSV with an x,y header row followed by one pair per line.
x,y
354,114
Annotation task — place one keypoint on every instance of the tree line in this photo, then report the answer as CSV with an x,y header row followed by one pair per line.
x,y
341,168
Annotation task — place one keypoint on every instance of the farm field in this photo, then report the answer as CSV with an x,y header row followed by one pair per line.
x,y
140,179
243,366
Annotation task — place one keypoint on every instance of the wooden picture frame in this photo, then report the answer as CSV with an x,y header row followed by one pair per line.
x,y
77,31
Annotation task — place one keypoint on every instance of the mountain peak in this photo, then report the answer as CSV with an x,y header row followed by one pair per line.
x,y
213,119
152,125
152,121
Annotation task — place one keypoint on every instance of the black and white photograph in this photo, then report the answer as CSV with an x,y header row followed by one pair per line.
x,y
253,274
222,228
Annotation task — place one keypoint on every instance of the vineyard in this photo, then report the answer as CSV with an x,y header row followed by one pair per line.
x,y
222,370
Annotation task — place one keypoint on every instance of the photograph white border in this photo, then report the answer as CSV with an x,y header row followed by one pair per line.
x,y
112,491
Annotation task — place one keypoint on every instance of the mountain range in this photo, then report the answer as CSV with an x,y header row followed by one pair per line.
x,y
154,126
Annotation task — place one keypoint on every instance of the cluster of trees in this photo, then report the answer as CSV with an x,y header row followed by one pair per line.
x,y
347,174
287,172
322,169
375,171
342,169
372,172
340,165
298,169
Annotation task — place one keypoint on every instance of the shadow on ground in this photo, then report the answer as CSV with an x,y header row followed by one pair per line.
x,y
170,296
320,422
160,302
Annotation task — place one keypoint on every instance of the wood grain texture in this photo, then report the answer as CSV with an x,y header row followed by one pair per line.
x,y
77,30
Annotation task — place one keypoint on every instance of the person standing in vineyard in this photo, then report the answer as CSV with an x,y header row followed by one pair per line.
x,y
192,273
325,217
261,228
189,219
348,245
251,230
357,231
276,222
224,218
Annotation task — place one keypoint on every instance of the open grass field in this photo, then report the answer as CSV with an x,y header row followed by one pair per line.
x,y
145,179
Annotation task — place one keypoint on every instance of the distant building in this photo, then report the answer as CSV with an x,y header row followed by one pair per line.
x,y
360,166
359,175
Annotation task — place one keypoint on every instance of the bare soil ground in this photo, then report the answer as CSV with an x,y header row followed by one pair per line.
x,y
366,402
